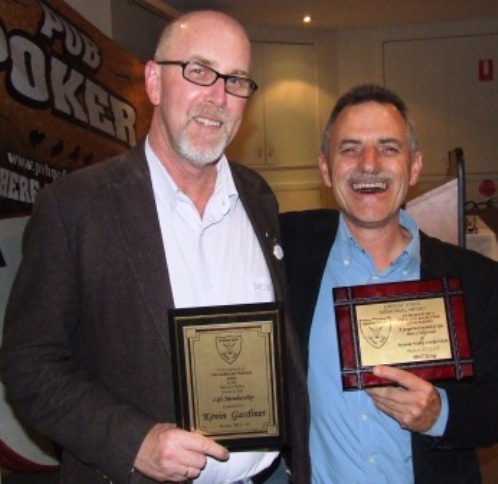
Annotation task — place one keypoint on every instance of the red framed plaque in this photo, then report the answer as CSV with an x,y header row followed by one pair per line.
x,y
419,326
229,374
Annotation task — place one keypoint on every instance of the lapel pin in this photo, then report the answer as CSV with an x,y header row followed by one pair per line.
x,y
278,252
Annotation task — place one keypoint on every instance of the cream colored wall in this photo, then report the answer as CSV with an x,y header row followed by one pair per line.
x,y
136,28
326,48
351,57
359,52
344,59
132,26
301,187
360,59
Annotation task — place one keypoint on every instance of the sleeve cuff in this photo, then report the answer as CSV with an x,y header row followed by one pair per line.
x,y
437,430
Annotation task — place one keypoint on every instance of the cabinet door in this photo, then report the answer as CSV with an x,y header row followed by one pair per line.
x,y
248,147
280,126
291,104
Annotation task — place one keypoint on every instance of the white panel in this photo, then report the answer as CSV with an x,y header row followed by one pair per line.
x,y
248,146
451,107
436,212
472,104
414,69
280,126
291,104
299,198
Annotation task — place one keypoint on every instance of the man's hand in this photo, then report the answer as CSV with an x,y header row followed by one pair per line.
x,y
171,454
415,403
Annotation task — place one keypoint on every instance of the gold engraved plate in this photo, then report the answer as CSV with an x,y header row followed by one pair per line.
x,y
404,331
232,389
419,326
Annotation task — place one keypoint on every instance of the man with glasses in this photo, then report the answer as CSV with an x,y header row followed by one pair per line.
x,y
205,76
110,249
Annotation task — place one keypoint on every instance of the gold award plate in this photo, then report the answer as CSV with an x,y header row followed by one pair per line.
x,y
419,326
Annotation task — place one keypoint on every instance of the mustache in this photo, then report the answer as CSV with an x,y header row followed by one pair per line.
x,y
211,112
374,177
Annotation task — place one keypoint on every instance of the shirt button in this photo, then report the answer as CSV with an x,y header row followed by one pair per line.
x,y
346,262
364,417
371,460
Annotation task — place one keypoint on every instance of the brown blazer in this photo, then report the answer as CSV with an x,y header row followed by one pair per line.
x,y
86,353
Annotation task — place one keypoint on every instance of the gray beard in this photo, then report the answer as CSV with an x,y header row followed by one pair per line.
x,y
200,157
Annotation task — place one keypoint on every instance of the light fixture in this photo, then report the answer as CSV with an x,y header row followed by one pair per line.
x,y
306,19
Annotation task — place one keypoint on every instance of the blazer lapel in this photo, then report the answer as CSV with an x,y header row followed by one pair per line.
x,y
137,221
308,237
262,210
434,262
139,230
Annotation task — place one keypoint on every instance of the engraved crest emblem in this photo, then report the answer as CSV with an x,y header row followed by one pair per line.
x,y
229,347
376,331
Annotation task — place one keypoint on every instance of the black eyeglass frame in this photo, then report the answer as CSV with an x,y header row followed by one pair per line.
x,y
183,64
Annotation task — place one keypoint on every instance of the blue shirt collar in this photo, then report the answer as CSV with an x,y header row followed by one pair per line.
x,y
348,248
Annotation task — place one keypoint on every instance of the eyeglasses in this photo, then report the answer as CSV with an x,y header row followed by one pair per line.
x,y
205,76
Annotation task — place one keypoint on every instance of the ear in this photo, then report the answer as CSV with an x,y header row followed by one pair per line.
x,y
153,82
415,168
323,166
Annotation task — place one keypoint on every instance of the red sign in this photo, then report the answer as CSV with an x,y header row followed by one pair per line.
x,y
486,70
487,188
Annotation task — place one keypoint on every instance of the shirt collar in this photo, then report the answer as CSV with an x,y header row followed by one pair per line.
x,y
225,192
413,247
348,247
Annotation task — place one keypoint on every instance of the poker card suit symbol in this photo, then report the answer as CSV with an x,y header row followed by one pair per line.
x,y
58,148
36,137
229,347
75,154
376,331
88,160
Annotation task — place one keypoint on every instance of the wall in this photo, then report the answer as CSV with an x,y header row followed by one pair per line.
x,y
437,122
350,57
98,12
345,58
365,46
136,28
301,187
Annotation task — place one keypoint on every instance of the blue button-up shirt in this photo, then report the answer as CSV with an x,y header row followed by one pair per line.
x,y
350,439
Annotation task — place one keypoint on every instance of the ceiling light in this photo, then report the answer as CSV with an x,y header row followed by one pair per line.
x,y
306,19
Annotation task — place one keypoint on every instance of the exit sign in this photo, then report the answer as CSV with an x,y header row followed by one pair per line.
x,y
486,68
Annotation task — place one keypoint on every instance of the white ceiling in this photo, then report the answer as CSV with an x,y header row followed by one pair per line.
x,y
343,14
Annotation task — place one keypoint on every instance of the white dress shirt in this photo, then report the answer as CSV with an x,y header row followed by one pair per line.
x,y
213,260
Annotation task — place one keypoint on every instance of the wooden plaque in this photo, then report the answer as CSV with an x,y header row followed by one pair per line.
x,y
419,326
